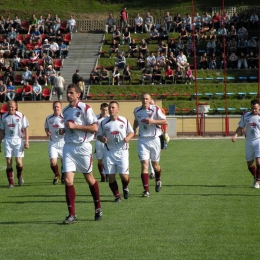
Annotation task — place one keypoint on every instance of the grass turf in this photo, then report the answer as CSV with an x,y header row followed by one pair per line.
x,y
205,210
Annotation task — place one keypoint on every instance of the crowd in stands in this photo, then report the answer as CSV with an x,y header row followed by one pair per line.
x,y
220,40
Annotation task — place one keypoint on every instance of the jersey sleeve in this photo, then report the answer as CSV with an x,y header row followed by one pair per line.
x,y
90,117
25,122
242,122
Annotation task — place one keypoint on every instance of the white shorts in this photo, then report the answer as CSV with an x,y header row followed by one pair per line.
x,y
77,157
149,148
99,150
55,149
252,150
116,162
13,147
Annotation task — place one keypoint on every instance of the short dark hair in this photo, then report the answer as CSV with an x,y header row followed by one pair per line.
x,y
113,102
103,105
255,102
76,87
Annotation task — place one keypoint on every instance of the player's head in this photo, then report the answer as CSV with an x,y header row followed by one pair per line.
x,y
255,106
146,100
11,107
113,108
104,109
56,106
73,93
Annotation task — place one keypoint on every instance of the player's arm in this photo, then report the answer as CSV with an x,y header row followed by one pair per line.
x,y
1,138
155,121
26,135
135,125
239,131
47,131
129,137
85,128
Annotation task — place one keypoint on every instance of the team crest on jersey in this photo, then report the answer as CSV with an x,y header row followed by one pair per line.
x,y
121,126
55,125
150,114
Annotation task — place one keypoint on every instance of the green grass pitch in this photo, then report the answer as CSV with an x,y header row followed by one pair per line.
x,y
205,210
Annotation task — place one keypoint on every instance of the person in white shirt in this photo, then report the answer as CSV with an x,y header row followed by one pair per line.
x,y
149,118
139,24
71,24
148,22
253,21
13,129
37,91
182,61
251,122
115,132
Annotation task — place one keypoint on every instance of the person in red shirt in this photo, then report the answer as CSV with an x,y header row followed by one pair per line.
x,y
123,18
27,91
216,20
169,74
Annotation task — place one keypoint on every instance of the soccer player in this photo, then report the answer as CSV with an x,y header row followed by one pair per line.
x,y
13,127
250,121
115,132
149,118
80,125
52,125
99,147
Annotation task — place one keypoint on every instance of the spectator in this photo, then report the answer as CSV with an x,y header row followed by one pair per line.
x,y
178,76
183,34
146,75
244,19
232,33
10,91
47,60
242,46
110,24
179,47
253,21
203,61
252,60
115,76
139,24
32,22
2,62
46,47
206,20
5,48
212,33
113,48
197,21
104,75
41,23
2,91
188,75
56,23
60,86
187,24
26,76
162,47
51,75
182,61
143,48
51,35
17,24
121,61
171,46
171,60
11,36
211,47
222,60
168,75
54,49
35,34
27,91
9,75
154,35
116,35
48,23
234,21
202,37
75,77
151,60
127,75
141,61
213,62
41,75
222,32
2,24
242,61
71,24
81,85
242,33
252,45
37,91
58,37
38,48
225,20
8,23
157,75
148,22
160,60
168,22
94,76
123,19
33,61
164,35
216,21
126,37
133,48
177,23
63,50
190,47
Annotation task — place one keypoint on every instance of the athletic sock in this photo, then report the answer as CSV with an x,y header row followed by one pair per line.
x,y
125,183
158,175
94,189
100,169
258,172
19,171
114,188
252,170
10,176
70,198
145,181
55,170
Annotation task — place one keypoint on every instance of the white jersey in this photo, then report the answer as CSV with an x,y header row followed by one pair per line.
x,y
153,112
13,125
100,118
252,124
115,131
80,114
54,123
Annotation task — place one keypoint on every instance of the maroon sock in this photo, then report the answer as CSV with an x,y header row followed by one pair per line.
x,y
70,198
125,183
158,175
258,172
10,176
101,168
55,170
114,188
252,170
145,180
19,171
94,189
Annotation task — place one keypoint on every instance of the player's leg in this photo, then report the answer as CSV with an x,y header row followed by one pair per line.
x,y
125,179
257,179
19,169
101,170
155,158
250,158
9,172
99,154
55,170
114,187
152,174
123,169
